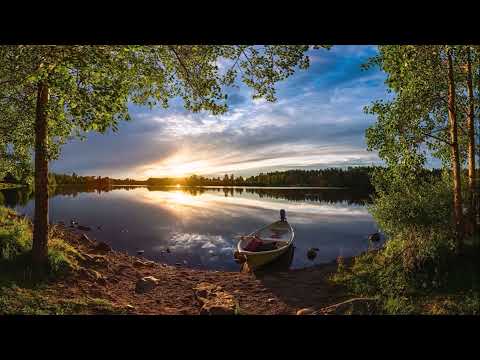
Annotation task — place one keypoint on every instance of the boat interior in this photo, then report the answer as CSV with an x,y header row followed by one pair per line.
x,y
270,238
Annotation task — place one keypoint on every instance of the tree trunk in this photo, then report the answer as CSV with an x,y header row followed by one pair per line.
x,y
457,187
40,229
472,218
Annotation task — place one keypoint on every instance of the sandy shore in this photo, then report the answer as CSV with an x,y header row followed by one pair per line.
x,y
114,276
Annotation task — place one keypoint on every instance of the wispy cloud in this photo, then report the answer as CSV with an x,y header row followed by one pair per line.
x,y
318,121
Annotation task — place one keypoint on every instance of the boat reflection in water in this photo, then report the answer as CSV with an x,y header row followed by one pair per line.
x,y
282,263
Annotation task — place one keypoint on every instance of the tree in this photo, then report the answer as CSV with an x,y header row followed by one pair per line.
x,y
471,140
424,116
452,117
69,90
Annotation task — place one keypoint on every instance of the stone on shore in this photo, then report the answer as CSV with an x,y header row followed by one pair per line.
x,y
146,284
85,239
306,311
101,246
215,301
356,306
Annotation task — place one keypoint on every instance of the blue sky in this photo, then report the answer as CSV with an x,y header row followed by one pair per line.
x,y
317,122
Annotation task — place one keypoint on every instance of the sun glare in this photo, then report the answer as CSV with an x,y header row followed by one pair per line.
x,y
180,165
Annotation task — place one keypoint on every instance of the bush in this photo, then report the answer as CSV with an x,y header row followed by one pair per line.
x,y
62,257
16,244
15,237
413,260
421,202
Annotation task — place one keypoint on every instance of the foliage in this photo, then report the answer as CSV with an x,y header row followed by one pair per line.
x,y
90,87
16,243
423,200
14,235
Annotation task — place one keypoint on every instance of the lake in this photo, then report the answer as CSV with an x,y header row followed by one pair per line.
x,y
197,227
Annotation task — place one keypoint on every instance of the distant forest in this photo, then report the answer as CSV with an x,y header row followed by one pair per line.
x,y
352,177
358,178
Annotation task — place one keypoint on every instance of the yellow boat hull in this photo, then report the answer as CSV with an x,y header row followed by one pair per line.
x,y
255,260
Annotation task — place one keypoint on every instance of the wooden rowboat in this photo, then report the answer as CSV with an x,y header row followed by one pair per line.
x,y
271,242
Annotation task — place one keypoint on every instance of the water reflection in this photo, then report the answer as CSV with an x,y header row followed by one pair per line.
x,y
199,225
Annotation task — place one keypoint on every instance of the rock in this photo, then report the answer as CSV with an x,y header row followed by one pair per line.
x,y
85,239
138,263
214,300
101,246
356,306
374,237
113,280
205,290
140,252
306,311
99,260
123,267
101,281
217,310
311,254
92,275
83,228
146,284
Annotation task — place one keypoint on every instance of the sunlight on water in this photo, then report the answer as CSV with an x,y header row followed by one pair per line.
x,y
198,227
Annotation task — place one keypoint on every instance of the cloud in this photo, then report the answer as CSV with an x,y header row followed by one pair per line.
x,y
318,121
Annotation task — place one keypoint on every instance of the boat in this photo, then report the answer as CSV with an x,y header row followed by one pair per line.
x,y
265,245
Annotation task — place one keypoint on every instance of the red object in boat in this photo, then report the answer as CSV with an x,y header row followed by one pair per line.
x,y
254,244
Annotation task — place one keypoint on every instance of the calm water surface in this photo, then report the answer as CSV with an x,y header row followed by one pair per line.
x,y
199,225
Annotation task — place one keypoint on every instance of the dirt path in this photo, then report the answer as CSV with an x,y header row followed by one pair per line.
x,y
112,276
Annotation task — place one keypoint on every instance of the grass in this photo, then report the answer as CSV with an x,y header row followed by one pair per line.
x,y
21,291
15,300
443,283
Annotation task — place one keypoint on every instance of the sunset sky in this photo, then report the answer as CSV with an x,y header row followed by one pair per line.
x,y
317,122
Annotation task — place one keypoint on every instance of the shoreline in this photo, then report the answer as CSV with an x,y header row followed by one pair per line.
x,y
113,276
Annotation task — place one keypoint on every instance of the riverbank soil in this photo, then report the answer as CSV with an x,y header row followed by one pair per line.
x,y
110,282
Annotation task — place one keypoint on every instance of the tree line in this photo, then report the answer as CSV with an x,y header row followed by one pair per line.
x,y
352,177
358,177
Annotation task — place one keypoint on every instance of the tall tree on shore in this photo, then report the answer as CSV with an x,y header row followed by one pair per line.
x,y
69,90
455,162
471,141
422,119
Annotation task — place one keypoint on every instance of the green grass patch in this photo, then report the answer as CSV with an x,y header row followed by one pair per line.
x,y
16,244
22,291
15,300
417,273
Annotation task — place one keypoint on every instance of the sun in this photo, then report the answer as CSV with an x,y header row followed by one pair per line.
x,y
180,165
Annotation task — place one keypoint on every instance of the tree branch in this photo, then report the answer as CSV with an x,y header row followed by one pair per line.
x,y
437,138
